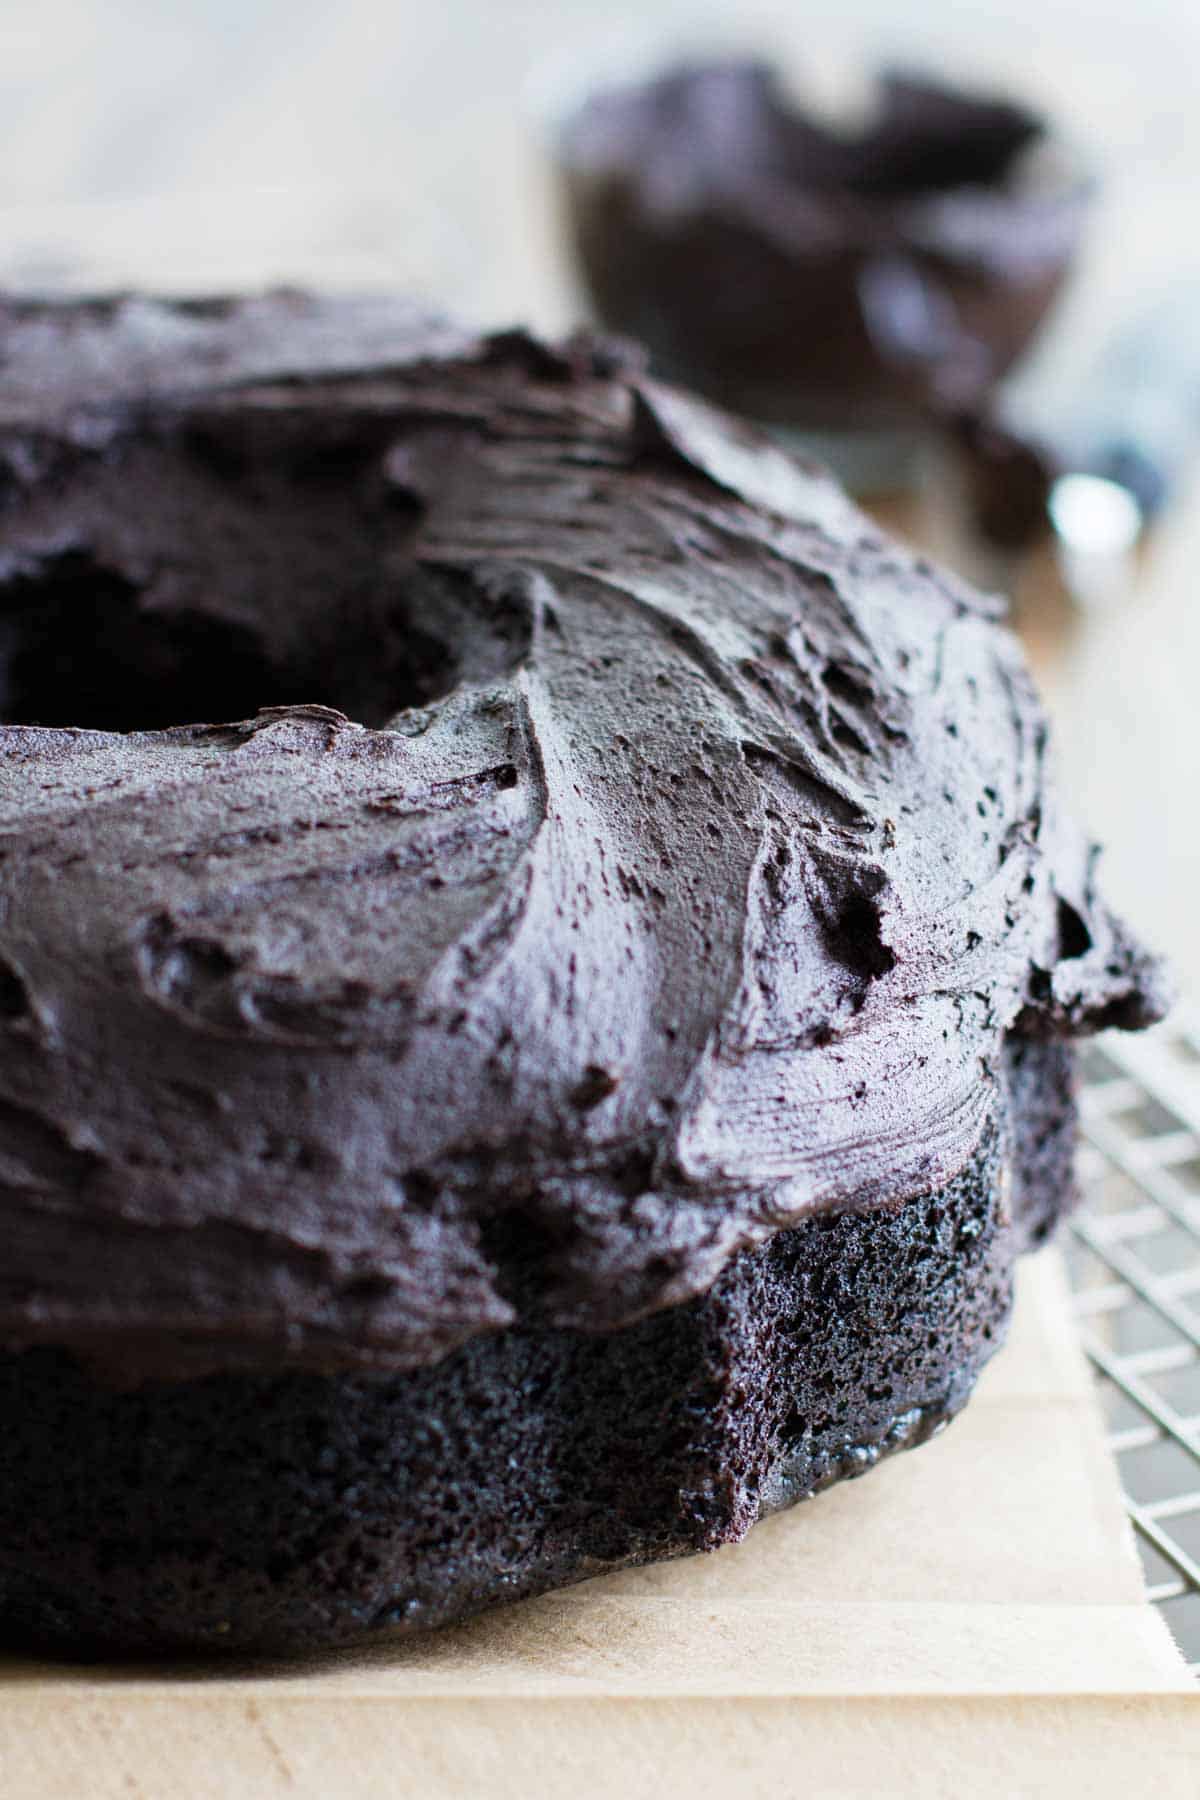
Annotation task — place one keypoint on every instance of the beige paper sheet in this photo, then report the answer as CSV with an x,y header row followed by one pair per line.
x,y
968,1621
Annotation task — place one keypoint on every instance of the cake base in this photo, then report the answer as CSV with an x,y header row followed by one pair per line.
x,y
277,1513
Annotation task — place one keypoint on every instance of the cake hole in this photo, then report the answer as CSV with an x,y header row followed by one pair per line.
x,y
1074,938
844,685
75,649
14,997
256,553
844,733
856,937
79,647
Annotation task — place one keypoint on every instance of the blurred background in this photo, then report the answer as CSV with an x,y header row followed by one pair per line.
x,y
431,109
213,144
431,112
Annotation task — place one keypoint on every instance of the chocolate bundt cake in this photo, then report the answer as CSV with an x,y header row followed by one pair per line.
x,y
537,960
816,274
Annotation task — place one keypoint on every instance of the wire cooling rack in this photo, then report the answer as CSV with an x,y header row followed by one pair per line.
x,y
1134,1254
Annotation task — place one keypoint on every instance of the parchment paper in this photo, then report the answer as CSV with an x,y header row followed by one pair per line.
x,y
966,1621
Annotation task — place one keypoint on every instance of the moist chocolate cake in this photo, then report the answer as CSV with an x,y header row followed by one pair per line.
x,y
537,956
815,275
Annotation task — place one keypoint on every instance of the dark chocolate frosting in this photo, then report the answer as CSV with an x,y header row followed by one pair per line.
x,y
636,852
814,273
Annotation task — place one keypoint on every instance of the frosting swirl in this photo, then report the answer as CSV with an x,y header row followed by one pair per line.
x,y
642,853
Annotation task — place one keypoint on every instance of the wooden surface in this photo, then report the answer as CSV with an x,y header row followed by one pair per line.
x,y
967,1620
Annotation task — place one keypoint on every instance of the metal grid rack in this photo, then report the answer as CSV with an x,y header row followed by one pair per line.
x,y
1134,1254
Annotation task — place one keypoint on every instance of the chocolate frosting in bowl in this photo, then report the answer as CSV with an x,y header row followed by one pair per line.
x,y
634,854
820,273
